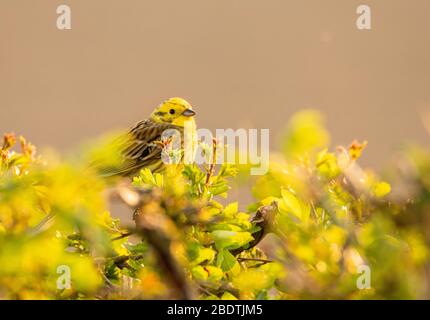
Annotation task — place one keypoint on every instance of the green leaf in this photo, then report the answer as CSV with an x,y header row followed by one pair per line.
x,y
291,204
199,254
226,261
219,189
230,239
215,274
228,296
147,178
381,189
225,227
227,170
138,248
231,209
207,273
327,165
199,273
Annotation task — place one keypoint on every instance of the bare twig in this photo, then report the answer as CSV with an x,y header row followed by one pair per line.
x,y
254,259
123,235
211,168
35,230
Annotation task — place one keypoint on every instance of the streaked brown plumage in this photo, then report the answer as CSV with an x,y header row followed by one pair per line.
x,y
141,147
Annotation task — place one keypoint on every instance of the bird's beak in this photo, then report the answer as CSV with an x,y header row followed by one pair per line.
x,y
188,113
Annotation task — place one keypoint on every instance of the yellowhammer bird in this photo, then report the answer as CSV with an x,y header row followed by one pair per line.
x,y
142,146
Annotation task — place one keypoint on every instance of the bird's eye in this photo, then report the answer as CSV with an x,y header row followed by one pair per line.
x,y
172,111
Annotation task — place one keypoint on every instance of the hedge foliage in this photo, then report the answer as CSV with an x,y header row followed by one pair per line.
x,y
317,218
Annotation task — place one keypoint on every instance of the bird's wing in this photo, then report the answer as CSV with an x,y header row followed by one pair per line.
x,y
140,148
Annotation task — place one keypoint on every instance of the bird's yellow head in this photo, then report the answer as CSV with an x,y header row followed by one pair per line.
x,y
175,111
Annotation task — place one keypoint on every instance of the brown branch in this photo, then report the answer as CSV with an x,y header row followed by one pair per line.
x,y
123,235
36,229
254,259
223,287
211,169
121,261
162,241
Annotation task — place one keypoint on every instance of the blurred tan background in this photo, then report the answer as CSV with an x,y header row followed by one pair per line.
x,y
242,63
